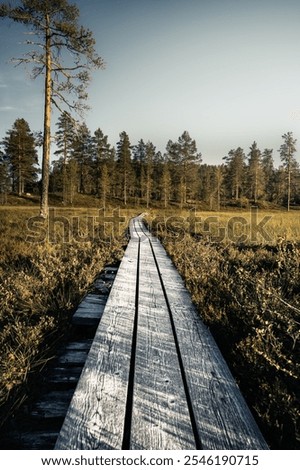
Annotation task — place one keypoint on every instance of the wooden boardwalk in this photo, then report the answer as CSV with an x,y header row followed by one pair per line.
x,y
154,377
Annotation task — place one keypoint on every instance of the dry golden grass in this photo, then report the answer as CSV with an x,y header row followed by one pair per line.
x,y
44,273
252,225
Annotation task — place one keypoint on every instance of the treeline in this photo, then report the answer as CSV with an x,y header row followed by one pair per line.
x,y
87,163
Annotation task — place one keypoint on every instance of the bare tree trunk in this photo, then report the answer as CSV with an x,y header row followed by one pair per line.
x,y
166,185
218,198
19,168
148,194
19,177
47,127
219,180
65,196
125,187
289,187
256,185
236,190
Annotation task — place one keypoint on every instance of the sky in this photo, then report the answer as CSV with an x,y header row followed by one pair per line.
x,y
227,71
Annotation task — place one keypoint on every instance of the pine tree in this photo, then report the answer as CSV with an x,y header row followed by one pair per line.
x,y
104,184
66,128
56,176
166,184
124,166
83,151
4,176
102,157
207,184
287,151
256,183
173,161
54,29
235,172
20,149
149,162
189,163
72,175
158,165
138,164
267,163
280,185
184,164
219,178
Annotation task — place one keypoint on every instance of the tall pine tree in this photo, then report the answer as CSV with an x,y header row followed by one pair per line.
x,y
235,172
4,177
20,149
287,151
64,53
83,150
184,161
103,164
66,128
267,163
124,166
256,182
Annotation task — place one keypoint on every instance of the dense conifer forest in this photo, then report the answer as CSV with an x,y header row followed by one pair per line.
x,y
137,173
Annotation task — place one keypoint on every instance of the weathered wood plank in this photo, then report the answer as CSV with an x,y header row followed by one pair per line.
x,y
73,357
223,418
80,345
38,440
90,310
44,408
160,417
64,376
95,419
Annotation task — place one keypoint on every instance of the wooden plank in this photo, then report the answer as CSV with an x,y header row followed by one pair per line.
x,y
160,418
80,345
52,405
95,419
64,376
223,419
90,310
32,440
73,357
109,273
38,440
132,230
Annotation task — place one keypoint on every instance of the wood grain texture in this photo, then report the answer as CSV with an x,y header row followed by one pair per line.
x,y
90,310
160,417
223,419
95,418
44,409
182,386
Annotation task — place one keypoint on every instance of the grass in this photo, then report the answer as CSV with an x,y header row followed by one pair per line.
x,y
252,226
44,273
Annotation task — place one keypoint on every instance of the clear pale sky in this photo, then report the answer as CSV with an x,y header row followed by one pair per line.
x,y
227,71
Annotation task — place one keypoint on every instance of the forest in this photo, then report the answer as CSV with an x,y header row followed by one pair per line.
x,y
247,294
87,163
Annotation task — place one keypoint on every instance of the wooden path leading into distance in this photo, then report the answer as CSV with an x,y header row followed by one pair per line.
x,y
154,377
